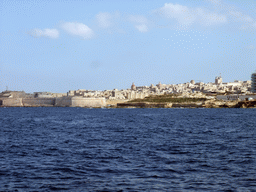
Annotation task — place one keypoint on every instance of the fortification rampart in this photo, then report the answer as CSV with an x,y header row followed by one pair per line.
x,y
63,102
41,102
88,102
53,102
12,102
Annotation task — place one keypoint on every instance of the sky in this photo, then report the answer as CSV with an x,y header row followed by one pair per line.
x,y
62,45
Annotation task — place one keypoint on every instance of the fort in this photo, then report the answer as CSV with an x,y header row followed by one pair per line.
x,y
20,99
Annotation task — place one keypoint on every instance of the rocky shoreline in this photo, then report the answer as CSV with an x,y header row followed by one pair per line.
x,y
205,104
187,105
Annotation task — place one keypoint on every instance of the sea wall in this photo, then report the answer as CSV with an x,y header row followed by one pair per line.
x,y
53,102
12,102
38,102
63,101
88,102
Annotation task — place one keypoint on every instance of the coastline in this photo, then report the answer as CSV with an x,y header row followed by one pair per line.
x,y
211,104
154,101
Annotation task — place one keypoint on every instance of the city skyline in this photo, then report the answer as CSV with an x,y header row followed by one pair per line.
x,y
58,46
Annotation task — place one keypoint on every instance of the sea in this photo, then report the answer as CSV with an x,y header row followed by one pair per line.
x,y
79,149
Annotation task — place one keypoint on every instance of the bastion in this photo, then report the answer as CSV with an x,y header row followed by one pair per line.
x,y
80,102
53,102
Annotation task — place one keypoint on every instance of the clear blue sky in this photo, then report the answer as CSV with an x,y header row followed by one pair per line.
x,y
62,45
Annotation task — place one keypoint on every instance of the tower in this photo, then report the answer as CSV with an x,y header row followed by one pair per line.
x,y
218,80
133,87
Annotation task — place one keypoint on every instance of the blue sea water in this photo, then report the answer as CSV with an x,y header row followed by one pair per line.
x,y
77,149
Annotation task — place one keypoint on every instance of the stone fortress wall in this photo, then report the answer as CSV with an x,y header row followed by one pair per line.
x,y
88,102
63,102
12,102
80,102
43,102
53,102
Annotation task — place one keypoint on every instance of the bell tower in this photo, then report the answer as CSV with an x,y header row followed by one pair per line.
x,y
133,87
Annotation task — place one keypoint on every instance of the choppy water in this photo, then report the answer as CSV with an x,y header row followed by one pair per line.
x,y
76,149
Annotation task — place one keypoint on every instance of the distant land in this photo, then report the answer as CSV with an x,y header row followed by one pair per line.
x,y
190,94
